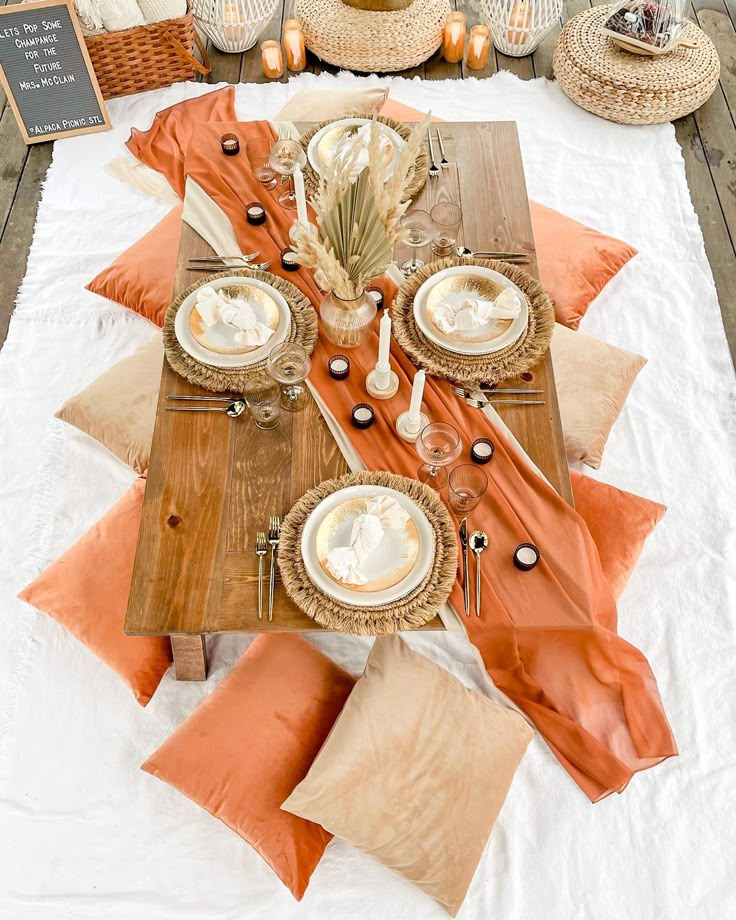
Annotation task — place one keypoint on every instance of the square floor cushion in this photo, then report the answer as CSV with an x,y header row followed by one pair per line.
x,y
86,591
593,380
619,523
320,104
240,754
118,409
415,771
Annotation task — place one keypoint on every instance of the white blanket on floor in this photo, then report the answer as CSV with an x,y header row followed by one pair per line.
x,y
85,834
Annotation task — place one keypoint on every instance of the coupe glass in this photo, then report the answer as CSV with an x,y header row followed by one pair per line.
x,y
418,226
285,156
289,365
446,218
258,151
438,445
468,484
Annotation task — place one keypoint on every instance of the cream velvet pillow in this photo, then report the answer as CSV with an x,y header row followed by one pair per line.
x,y
118,409
415,771
593,380
319,105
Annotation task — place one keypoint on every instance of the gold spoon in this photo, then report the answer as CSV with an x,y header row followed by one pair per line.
x,y
478,542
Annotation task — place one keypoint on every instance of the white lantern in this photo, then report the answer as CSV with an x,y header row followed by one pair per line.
x,y
518,26
233,25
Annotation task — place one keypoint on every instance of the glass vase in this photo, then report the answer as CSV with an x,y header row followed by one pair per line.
x,y
348,323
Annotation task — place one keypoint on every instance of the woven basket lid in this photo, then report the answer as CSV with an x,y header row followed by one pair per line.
x,y
371,41
603,78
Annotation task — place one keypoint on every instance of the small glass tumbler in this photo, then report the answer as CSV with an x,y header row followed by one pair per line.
x,y
446,218
258,151
289,365
263,397
438,445
468,485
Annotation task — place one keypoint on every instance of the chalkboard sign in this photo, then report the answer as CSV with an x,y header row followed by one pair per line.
x,y
46,72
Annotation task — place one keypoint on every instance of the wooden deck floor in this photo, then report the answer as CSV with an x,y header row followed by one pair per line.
x,y
707,138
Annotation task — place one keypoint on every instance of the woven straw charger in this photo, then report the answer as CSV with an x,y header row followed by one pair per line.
x,y
303,330
633,89
415,180
472,370
372,41
409,612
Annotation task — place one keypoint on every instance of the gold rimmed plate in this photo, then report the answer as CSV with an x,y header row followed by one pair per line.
x,y
476,281
221,338
397,566
326,142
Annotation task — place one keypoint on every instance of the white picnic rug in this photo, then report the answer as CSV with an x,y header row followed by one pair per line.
x,y
85,834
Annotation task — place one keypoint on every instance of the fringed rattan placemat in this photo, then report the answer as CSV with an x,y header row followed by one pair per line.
x,y
417,175
471,370
410,612
231,379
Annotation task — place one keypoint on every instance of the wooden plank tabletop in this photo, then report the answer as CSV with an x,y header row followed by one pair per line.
x,y
212,482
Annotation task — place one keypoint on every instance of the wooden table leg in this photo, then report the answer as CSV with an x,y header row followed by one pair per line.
x,y
190,657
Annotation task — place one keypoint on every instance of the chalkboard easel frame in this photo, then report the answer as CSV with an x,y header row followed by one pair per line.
x,y
37,139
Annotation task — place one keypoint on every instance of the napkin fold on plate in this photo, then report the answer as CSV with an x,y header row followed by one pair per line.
x,y
463,311
234,312
354,148
381,514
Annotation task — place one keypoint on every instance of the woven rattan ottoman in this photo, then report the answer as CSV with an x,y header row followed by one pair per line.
x,y
629,88
370,41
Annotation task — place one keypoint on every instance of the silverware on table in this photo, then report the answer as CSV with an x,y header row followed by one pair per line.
x,y
482,403
249,257
466,575
274,535
261,550
502,255
478,543
490,393
227,399
444,162
221,267
433,168
234,410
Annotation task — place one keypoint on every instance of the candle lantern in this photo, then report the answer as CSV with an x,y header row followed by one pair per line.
x,y
272,60
233,25
296,56
478,46
453,41
518,26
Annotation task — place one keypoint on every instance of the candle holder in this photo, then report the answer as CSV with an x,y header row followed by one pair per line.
x,y
453,39
374,291
482,450
378,376
339,367
526,556
518,26
296,56
230,145
409,431
362,415
255,213
479,44
272,60
288,260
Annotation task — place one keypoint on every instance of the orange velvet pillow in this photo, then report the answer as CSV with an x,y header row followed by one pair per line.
x,y
142,278
242,752
619,523
575,262
163,145
86,591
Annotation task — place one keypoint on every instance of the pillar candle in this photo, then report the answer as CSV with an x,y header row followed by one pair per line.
x,y
453,44
519,18
301,198
478,45
296,57
415,406
233,22
273,62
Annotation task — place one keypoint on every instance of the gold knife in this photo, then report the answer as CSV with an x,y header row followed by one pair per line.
x,y
466,583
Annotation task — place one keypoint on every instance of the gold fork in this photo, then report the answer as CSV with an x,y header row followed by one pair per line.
x,y
261,550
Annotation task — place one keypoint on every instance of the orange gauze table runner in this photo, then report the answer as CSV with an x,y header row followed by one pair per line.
x,y
547,637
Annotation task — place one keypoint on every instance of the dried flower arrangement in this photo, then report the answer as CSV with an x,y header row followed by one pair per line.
x,y
358,220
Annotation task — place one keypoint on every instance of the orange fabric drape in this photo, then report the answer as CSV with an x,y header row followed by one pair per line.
x,y
547,637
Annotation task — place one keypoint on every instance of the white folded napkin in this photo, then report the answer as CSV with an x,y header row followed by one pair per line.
x,y
214,307
463,312
355,147
381,514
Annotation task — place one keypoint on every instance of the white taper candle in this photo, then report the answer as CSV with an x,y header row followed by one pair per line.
x,y
301,198
415,406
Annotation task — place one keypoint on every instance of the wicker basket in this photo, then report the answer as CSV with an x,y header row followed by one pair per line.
x,y
604,79
370,41
146,57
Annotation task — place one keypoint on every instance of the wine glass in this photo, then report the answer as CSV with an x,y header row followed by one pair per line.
x,y
418,226
438,445
285,156
289,364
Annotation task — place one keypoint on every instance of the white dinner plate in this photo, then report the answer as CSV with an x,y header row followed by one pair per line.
x,y
313,147
403,558
485,341
215,359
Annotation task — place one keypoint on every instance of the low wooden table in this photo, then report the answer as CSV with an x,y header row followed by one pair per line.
x,y
213,483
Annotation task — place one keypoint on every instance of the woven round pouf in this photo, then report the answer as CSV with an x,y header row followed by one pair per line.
x,y
371,41
633,89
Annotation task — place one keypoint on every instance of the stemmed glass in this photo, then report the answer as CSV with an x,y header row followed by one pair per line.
x,y
438,445
289,365
285,156
418,226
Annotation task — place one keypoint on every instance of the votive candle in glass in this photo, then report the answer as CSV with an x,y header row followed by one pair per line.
x,y
453,43
272,59
296,56
478,45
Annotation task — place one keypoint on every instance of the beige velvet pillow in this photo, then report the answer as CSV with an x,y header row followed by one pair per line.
x,y
593,380
319,105
118,409
415,771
